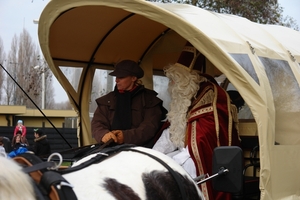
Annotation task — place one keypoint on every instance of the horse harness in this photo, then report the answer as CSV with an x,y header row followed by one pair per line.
x,y
50,184
47,183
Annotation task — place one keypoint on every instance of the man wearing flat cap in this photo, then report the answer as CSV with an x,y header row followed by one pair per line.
x,y
131,113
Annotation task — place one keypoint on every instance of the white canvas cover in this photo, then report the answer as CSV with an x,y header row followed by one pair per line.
x,y
261,61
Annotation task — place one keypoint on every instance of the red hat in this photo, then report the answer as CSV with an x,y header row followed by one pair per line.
x,y
191,58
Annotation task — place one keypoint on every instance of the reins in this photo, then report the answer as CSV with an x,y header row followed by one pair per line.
x,y
104,154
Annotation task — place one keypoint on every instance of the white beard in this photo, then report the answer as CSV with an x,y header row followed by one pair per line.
x,y
177,119
182,87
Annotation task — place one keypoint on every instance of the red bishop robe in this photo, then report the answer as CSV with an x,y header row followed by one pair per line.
x,y
211,123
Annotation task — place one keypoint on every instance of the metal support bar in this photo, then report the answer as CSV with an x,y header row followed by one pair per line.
x,y
221,171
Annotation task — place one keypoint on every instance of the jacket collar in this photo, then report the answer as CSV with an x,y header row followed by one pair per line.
x,y
40,138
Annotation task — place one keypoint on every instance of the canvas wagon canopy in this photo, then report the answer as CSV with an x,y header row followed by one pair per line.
x,y
261,61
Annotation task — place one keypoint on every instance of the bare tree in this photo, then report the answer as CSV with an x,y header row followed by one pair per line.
x,y
23,56
289,22
10,86
26,76
102,84
2,61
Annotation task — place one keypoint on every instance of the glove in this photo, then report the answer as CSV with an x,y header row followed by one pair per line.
x,y
119,135
109,136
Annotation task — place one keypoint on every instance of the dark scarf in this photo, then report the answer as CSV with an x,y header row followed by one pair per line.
x,y
122,117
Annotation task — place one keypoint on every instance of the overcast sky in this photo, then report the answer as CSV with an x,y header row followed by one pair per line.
x,y
18,14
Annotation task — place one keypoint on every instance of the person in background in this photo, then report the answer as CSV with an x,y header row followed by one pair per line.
x,y
2,149
20,127
18,146
236,99
130,114
41,144
18,137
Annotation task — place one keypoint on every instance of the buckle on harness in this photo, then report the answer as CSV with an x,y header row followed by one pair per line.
x,y
62,184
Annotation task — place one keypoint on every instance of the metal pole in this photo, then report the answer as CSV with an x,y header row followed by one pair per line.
x,y
43,89
222,171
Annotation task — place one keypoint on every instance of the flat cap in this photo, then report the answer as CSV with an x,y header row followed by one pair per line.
x,y
127,68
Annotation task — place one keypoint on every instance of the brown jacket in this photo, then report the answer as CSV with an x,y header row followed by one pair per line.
x,y
146,117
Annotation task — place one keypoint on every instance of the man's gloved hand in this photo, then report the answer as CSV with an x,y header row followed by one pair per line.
x,y
109,136
119,135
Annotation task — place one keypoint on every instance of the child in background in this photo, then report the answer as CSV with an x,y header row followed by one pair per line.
x,y
20,127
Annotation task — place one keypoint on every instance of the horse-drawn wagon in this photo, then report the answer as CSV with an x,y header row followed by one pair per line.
x,y
260,61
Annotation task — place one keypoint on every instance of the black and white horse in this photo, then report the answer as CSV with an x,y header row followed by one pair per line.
x,y
134,173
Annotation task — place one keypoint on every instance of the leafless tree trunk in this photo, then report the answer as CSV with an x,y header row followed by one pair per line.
x,y
11,88
2,61
22,59
102,84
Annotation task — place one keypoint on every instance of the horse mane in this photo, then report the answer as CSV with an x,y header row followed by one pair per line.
x,y
14,183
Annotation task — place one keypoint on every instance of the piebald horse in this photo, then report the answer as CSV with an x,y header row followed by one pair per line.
x,y
132,173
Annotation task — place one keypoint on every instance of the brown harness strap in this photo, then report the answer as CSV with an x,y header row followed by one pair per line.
x,y
47,183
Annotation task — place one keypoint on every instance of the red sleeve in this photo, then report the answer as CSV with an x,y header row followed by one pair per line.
x,y
24,131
